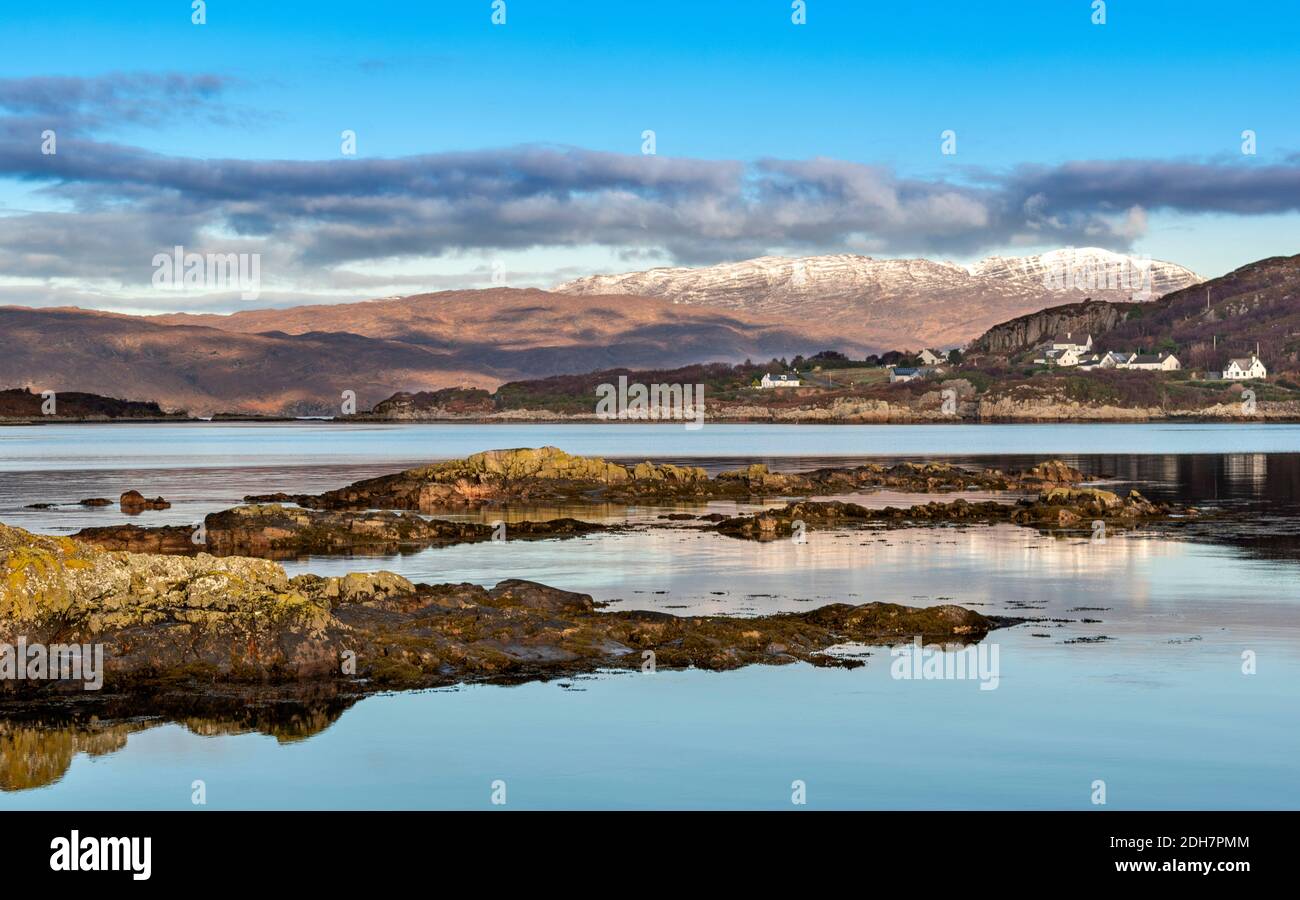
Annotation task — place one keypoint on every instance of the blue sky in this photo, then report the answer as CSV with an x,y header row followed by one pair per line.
x,y
871,85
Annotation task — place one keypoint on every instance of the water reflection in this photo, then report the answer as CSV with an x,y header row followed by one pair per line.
x,y
36,751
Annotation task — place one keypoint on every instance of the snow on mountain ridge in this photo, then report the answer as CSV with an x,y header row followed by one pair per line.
x,y
912,300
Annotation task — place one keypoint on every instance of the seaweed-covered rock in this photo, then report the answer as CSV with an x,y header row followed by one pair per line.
x,y
1055,507
273,531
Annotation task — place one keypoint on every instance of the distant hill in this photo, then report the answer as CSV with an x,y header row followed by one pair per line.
x,y
900,303
1258,304
299,361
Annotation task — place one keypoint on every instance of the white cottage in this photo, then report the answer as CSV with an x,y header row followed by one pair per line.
x,y
1245,369
777,381
1156,362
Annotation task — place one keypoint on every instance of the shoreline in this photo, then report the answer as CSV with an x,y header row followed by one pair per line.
x,y
364,420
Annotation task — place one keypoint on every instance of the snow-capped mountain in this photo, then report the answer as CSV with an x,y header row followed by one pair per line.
x,y
902,303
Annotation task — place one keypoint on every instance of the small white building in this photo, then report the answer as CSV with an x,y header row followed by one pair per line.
x,y
1113,360
1066,357
929,358
1069,343
1245,369
908,373
1155,362
778,381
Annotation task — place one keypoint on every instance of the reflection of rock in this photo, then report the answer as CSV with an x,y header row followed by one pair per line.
x,y
280,532
550,474
1058,506
35,754
203,627
133,503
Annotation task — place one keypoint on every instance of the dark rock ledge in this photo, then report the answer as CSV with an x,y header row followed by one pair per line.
x,y
1058,508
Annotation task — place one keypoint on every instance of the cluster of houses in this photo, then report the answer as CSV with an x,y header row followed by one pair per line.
x,y
1067,352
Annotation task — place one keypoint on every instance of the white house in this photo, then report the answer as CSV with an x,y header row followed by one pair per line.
x,y
778,381
1064,357
1157,362
1069,343
1113,360
1245,369
1063,351
929,358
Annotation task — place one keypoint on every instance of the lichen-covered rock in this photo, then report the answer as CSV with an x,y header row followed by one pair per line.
x,y
550,474
191,626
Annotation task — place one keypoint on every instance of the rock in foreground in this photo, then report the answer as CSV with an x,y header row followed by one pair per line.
x,y
195,624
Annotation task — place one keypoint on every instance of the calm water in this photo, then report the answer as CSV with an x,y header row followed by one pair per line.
x,y
1160,710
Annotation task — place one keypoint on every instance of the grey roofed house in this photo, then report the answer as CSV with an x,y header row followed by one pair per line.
x,y
1147,359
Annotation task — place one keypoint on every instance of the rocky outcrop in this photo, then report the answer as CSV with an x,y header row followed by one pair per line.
x,y
550,474
272,531
137,539
133,503
449,403
193,624
1090,317
1057,507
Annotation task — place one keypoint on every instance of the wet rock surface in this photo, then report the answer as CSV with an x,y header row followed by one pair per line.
x,y
132,503
207,626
